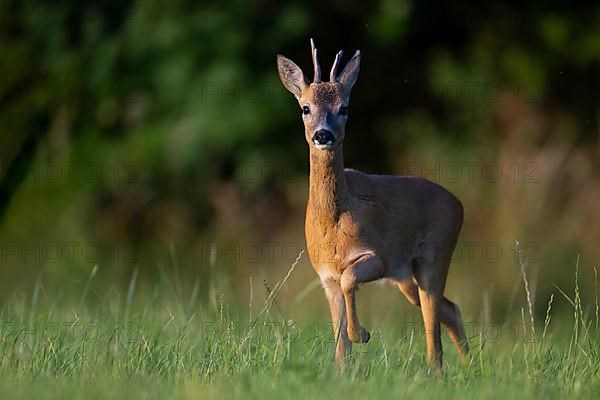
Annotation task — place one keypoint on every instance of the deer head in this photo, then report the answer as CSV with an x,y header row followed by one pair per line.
x,y
324,104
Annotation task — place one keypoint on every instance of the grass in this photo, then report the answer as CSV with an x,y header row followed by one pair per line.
x,y
157,343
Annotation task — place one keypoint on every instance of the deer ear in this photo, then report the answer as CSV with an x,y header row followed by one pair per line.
x,y
350,73
291,76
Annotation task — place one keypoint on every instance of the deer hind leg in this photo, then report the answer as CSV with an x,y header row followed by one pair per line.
x,y
409,289
452,320
365,269
343,346
449,315
431,275
430,308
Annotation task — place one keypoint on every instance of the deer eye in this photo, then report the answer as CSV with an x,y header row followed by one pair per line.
x,y
305,110
343,110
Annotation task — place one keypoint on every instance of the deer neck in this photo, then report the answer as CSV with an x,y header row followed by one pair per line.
x,y
328,194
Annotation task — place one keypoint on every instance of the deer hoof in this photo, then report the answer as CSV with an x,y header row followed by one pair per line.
x,y
362,336
367,336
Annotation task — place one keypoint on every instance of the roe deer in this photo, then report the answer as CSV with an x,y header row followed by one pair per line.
x,y
361,228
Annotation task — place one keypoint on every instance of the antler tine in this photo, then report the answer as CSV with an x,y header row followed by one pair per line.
x,y
336,63
317,78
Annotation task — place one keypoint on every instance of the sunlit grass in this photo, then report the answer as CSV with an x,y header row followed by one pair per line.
x,y
161,345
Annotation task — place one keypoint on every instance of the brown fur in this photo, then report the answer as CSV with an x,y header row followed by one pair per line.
x,y
361,228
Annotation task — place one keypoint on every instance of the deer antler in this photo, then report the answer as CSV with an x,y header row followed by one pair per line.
x,y
336,63
317,78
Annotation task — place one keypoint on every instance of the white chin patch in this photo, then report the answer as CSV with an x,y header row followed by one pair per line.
x,y
327,146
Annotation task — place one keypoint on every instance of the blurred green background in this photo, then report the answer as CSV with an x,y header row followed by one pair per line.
x,y
156,136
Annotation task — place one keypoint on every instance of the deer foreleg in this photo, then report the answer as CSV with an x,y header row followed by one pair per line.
x,y
365,269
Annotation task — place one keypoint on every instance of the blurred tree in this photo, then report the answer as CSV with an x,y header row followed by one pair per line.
x,y
178,106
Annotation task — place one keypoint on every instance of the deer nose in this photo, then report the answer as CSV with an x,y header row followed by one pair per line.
x,y
323,137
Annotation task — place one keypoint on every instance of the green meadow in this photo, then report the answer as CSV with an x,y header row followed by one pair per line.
x,y
156,341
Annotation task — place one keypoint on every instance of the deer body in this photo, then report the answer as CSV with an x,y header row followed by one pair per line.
x,y
389,216
361,228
